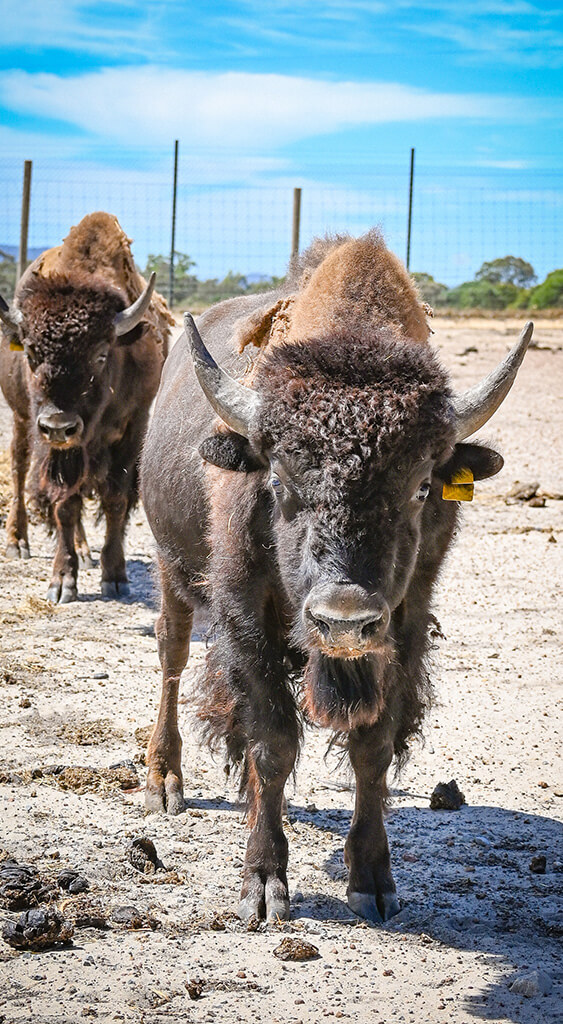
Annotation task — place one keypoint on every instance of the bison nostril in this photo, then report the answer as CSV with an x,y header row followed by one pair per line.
x,y
320,624
71,429
372,628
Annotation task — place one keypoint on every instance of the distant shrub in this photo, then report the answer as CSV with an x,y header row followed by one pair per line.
x,y
431,291
7,276
548,293
482,295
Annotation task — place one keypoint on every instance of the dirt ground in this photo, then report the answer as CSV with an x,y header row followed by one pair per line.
x,y
79,687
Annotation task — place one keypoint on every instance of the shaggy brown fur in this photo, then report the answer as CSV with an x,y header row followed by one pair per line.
x,y
81,395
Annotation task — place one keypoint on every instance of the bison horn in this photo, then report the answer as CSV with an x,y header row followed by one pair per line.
x,y
474,407
130,317
12,318
235,404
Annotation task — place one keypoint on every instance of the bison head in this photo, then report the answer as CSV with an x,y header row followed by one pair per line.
x,y
69,330
355,438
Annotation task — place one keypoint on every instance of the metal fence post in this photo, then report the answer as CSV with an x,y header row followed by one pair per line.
x,y
24,224
173,236
409,225
296,222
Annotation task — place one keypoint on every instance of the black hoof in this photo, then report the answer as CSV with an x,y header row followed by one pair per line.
x,y
376,909
114,590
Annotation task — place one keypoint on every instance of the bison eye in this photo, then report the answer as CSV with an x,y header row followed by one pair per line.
x,y
422,492
276,484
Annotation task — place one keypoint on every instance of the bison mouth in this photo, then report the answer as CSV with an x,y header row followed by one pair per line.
x,y
63,469
344,693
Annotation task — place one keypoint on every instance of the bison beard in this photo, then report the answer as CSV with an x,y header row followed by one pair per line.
x,y
344,694
62,471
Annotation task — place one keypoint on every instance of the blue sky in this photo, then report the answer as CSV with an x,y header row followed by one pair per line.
x,y
325,93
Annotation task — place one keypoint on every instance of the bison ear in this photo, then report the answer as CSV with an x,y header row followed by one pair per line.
x,y
482,461
231,451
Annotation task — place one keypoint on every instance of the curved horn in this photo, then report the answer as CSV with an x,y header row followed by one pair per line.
x,y
130,317
235,404
474,407
10,317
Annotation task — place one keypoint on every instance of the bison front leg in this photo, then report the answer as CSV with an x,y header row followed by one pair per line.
x,y
17,545
164,789
270,760
371,889
62,588
112,558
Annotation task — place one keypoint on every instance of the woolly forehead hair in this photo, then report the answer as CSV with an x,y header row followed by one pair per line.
x,y
68,310
349,401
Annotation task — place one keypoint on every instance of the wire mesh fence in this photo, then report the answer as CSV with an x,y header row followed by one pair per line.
x,y
460,218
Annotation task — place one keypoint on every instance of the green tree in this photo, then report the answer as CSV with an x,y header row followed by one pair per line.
x,y
507,270
185,284
549,292
431,291
483,295
7,276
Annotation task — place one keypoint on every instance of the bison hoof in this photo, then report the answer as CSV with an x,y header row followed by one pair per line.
x,y
164,796
19,549
115,589
268,902
376,909
59,594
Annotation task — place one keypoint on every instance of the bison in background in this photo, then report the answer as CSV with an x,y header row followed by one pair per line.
x,y
314,532
80,361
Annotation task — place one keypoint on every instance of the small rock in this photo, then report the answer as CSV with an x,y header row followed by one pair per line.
x,y
143,856
72,882
38,929
532,983
132,918
521,492
195,988
538,865
296,949
447,797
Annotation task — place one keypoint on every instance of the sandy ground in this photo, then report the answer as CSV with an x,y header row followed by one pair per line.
x,y
78,683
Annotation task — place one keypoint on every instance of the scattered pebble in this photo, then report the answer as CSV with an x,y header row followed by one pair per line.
x,y
538,865
72,882
38,929
195,988
532,983
132,918
296,949
446,797
143,856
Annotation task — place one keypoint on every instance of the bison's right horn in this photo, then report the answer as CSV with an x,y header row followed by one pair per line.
x,y
236,405
474,407
11,317
130,317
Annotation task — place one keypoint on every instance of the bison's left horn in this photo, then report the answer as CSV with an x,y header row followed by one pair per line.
x,y
130,317
11,317
235,404
474,407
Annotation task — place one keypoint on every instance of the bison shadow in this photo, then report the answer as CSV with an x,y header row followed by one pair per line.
x,y
464,880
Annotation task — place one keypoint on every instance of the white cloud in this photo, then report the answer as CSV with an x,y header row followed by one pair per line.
x,y
151,106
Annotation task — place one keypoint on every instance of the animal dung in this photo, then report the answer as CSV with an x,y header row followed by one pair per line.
x,y
38,929
296,949
72,882
143,856
446,796
21,887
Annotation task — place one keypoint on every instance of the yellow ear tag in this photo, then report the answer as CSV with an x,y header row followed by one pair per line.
x,y
461,486
16,346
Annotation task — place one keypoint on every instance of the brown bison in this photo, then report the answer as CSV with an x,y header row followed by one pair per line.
x,y
80,360
313,529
